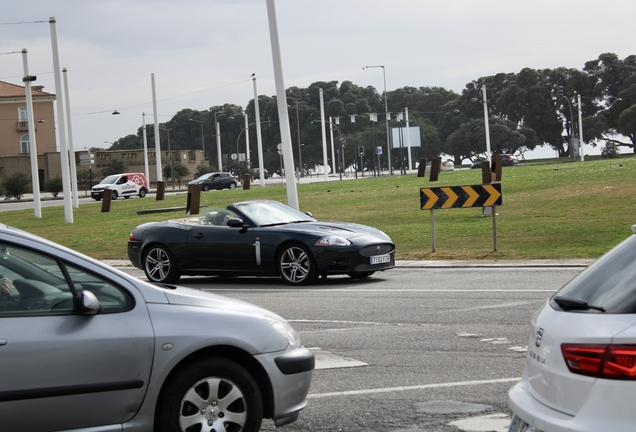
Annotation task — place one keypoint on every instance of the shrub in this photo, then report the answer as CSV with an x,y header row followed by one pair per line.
x,y
53,185
610,151
16,185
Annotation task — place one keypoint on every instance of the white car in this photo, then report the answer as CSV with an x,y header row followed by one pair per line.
x,y
581,367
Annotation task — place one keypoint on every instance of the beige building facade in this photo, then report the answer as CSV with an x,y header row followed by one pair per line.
x,y
15,141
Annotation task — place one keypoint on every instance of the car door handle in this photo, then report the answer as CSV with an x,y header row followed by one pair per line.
x,y
3,342
198,235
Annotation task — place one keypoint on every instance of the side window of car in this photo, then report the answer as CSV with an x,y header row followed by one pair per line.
x,y
112,298
32,283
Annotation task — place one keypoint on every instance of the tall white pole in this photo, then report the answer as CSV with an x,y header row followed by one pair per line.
x,y
61,126
157,137
483,91
71,149
333,153
283,113
580,129
259,137
408,137
143,119
324,134
218,144
35,180
247,139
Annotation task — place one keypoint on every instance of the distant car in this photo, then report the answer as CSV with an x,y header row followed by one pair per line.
x,y
581,364
216,180
446,165
90,348
257,174
506,160
258,238
125,185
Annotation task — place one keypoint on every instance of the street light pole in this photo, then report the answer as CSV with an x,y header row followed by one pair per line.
x,y
485,100
171,158
218,140
202,142
386,111
300,158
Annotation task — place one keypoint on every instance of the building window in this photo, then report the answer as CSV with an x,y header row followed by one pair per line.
x,y
22,114
24,144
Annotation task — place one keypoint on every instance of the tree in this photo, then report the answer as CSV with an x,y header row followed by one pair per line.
x,y
16,185
204,169
180,171
83,177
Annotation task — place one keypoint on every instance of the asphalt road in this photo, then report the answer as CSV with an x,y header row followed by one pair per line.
x,y
410,349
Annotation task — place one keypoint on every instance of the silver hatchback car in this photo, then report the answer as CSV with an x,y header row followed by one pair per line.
x,y
85,347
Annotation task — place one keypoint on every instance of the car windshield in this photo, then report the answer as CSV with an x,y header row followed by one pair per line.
x,y
111,179
272,213
205,176
609,283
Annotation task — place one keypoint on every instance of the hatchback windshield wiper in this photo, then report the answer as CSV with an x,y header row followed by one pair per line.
x,y
568,303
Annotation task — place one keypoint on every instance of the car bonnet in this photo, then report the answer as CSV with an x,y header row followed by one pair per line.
x,y
342,229
183,296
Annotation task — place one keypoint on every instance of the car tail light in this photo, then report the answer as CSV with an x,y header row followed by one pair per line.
x,y
601,361
132,237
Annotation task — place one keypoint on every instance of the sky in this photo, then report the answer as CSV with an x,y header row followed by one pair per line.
x,y
203,52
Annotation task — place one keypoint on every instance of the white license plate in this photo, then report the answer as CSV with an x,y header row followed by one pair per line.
x,y
518,425
379,259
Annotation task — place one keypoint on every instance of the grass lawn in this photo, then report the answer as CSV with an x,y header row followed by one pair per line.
x,y
549,211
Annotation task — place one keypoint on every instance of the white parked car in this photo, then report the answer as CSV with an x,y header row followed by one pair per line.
x,y
581,367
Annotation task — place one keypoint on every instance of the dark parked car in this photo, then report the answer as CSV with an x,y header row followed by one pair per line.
x,y
258,238
216,180
506,160
90,348
257,174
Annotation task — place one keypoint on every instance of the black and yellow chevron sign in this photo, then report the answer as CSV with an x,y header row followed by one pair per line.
x,y
461,196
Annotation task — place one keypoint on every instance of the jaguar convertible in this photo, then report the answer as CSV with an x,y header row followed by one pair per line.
x,y
258,238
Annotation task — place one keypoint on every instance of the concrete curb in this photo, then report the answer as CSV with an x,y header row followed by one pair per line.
x,y
582,263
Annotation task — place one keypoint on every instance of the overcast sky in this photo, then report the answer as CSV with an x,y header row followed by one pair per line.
x,y
203,52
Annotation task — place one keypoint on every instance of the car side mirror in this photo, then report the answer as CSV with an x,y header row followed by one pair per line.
x,y
235,223
309,214
89,305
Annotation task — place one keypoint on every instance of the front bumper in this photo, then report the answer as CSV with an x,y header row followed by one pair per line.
x,y
290,373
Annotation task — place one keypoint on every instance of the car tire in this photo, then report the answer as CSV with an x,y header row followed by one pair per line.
x,y
160,266
186,400
97,199
142,193
232,185
205,188
296,265
113,195
127,196
360,275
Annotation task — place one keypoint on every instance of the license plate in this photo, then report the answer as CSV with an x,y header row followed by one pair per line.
x,y
380,259
518,425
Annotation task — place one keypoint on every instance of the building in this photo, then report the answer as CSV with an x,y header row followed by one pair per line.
x,y
15,141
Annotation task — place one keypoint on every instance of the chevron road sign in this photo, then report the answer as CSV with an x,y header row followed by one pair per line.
x,y
461,196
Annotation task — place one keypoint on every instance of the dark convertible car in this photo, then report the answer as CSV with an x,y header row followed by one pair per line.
x,y
258,238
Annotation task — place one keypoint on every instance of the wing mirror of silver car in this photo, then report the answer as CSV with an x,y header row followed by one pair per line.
x,y
89,304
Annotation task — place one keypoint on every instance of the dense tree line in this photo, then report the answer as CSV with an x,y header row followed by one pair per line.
x,y
528,109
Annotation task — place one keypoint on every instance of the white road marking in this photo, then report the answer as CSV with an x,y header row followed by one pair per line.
x,y
487,423
407,388
519,349
327,360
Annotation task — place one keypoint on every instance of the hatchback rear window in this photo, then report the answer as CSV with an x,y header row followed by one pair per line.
x,y
609,283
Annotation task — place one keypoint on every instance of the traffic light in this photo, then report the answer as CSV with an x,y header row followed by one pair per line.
x,y
559,91
361,150
311,118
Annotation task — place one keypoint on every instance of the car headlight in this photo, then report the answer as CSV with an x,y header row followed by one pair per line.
x,y
288,332
332,241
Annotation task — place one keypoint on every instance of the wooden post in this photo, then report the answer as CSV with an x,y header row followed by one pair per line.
x,y
194,199
106,199
161,190
421,168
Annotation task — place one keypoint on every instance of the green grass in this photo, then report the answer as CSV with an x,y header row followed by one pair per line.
x,y
550,211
